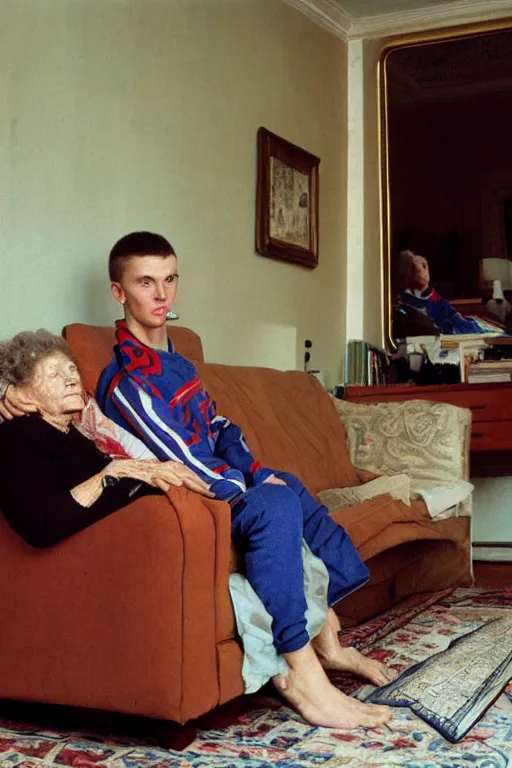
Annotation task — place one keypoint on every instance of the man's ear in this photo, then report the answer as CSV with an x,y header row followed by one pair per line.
x,y
118,293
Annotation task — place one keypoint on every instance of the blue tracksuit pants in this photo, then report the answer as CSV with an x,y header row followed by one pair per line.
x,y
268,524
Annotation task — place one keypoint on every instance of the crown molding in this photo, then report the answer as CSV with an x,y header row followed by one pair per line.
x,y
336,20
327,14
434,17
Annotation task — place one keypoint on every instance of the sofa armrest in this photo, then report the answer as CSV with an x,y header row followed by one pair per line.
x,y
121,616
429,441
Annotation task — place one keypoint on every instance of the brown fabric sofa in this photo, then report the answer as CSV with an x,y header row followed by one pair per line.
x,y
133,614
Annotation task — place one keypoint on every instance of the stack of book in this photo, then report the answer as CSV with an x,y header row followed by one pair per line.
x,y
489,371
491,363
366,365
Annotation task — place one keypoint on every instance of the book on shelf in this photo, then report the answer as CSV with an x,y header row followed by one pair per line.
x,y
489,371
494,365
489,378
449,342
366,365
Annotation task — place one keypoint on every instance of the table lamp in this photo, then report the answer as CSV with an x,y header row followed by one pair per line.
x,y
499,273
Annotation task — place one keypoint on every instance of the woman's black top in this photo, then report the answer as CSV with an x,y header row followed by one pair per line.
x,y
39,465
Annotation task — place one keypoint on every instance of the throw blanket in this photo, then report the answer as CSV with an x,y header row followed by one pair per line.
x,y
442,501
108,437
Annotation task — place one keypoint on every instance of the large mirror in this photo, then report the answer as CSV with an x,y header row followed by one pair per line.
x,y
447,184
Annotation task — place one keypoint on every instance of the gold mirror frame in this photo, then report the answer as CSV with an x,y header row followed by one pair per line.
x,y
427,37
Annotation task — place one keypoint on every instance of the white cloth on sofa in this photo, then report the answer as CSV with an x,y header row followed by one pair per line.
x,y
445,500
442,501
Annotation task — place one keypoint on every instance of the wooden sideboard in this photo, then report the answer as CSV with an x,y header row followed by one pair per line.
x,y
490,404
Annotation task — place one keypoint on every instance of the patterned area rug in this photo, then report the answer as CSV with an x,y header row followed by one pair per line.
x,y
275,737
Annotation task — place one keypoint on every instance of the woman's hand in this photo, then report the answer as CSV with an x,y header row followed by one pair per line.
x,y
15,403
159,474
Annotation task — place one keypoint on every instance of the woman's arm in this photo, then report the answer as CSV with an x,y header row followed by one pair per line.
x,y
87,493
43,513
39,505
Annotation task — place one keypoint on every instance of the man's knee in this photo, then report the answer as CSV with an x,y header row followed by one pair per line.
x,y
274,505
278,500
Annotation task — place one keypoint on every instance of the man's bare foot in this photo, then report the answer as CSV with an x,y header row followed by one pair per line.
x,y
332,656
308,690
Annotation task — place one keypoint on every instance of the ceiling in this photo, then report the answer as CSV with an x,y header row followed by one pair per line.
x,y
358,9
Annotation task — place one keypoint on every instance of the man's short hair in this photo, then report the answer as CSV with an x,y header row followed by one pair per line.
x,y
136,244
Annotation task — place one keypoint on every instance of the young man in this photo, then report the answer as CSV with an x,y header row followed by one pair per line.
x,y
156,393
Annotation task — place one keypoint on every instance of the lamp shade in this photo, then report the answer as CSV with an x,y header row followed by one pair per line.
x,y
497,269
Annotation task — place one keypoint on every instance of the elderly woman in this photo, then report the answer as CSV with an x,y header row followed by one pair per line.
x,y
66,466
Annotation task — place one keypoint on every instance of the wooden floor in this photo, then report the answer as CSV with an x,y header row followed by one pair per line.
x,y
493,575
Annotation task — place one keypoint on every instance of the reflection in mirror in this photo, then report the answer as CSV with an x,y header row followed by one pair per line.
x,y
448,186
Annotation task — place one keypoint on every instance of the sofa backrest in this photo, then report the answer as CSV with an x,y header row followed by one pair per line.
x,y
288,419
92,347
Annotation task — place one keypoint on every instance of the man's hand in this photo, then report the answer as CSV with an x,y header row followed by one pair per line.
x,y
274,480
15,404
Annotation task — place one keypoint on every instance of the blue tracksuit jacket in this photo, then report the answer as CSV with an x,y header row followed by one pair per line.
x,y
158,396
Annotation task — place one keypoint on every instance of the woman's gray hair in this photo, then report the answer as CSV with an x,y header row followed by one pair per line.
x,y
20,355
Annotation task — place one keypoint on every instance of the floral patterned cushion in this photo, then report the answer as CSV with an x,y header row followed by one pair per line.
x,y
426,440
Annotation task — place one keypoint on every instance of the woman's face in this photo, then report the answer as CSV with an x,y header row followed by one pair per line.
x,y
420,275
56,387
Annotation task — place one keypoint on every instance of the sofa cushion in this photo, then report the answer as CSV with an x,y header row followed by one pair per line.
x,y
288,420
424,439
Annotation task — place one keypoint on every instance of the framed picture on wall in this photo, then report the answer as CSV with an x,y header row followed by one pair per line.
x,y
286,201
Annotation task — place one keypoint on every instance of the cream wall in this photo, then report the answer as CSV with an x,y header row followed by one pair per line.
x,y
121,115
